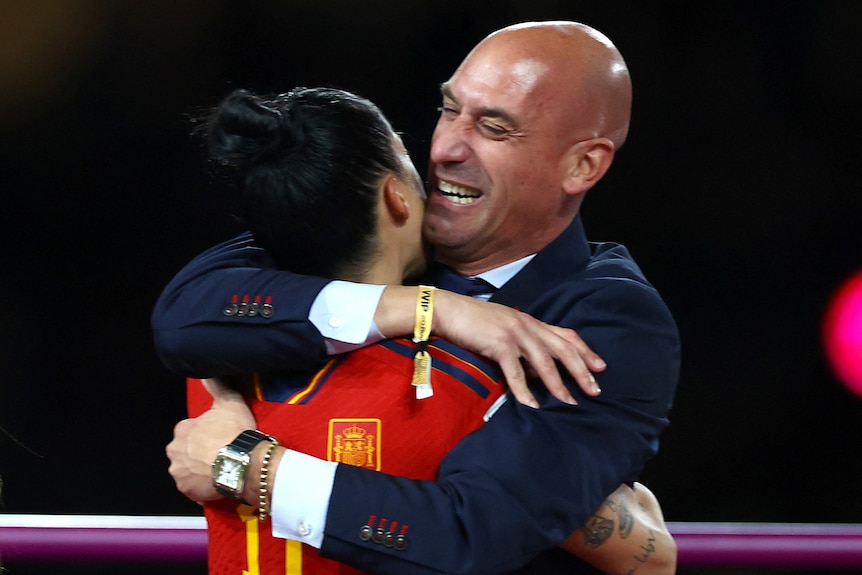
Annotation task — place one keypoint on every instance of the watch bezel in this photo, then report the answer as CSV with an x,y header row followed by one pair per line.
x,y
238,450
231,453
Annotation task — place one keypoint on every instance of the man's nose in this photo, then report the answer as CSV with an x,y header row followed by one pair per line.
x,y
449,143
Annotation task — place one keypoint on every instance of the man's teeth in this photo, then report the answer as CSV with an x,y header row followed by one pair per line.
x,y
457,194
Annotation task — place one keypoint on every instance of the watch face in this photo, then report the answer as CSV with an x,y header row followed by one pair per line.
x,y
229,470
228,473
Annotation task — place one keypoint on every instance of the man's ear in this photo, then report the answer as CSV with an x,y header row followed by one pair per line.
x,y
394,200
586,164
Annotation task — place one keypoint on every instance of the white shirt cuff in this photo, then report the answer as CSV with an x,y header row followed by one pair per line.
x,y
300,497
343,312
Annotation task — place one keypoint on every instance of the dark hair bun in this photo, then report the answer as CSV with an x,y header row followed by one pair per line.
x,y
246,129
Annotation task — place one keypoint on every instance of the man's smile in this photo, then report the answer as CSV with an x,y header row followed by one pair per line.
x,y
458,194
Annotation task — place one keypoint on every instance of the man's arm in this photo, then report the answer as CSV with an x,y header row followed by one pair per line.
x,y
229,311
626,535
517,487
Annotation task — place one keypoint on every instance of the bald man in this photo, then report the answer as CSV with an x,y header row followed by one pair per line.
x,y
530,122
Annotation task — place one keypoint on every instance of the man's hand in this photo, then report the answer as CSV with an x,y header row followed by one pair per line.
x,y
196,441
519,343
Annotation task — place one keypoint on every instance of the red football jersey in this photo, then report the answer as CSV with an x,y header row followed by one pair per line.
x,y
359,409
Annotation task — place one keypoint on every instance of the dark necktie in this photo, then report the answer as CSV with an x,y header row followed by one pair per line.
x,y
446,278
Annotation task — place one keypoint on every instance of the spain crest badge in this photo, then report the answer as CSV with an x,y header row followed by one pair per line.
x,y
355,442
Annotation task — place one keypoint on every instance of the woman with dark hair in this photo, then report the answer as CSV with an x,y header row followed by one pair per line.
x,y
309,164
328,189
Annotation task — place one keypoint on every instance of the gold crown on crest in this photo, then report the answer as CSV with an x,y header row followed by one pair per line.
x,y
354,432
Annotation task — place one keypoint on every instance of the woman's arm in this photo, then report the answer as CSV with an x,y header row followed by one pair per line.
x,y
626,535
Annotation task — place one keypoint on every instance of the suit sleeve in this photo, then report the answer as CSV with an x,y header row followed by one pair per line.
x,y
207,321
523,482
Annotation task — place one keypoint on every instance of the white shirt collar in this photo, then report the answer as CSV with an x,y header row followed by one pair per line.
x,y
498,277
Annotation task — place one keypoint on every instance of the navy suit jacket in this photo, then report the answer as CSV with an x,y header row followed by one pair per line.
x,y
509,493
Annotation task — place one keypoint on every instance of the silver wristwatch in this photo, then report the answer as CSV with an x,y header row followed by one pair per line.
x,y
232,461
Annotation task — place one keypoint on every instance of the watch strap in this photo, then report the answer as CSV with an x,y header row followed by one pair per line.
x,y
248,439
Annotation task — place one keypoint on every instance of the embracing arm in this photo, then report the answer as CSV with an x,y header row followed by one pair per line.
x,y
487,513
230,311
517,487
626,535
509,337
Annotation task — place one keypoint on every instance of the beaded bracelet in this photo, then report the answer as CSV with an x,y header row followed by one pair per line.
x,y
264,473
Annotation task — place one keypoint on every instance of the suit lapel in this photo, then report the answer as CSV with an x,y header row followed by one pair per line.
x,y
545,270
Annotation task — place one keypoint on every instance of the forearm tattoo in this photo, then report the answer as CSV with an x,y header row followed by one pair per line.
x,y
627,519
644,553
599,529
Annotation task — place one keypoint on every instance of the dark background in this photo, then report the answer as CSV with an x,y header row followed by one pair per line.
x,y
737,191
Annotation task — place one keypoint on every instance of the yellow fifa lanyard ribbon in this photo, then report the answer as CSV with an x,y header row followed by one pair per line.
x,y
421,335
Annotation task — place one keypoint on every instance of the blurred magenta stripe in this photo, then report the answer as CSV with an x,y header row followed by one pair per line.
x,y
102,538
768,545
47,538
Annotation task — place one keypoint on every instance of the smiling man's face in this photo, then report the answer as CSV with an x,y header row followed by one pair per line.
x,y
496,161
